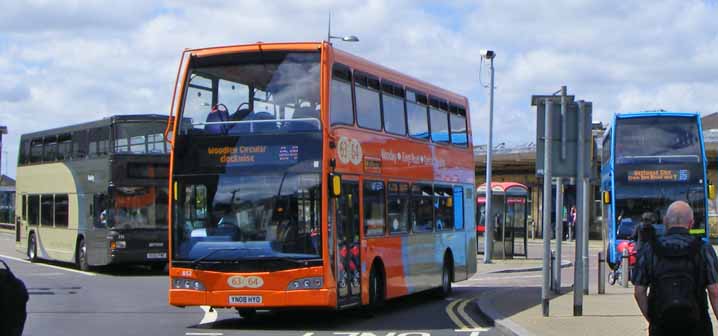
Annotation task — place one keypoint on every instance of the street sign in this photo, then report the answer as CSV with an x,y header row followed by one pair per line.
x,y
562,166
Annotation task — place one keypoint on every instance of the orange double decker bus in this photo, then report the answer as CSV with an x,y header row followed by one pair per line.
x,y
303,176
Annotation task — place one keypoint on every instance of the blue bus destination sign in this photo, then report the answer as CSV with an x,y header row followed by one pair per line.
x,y
658,175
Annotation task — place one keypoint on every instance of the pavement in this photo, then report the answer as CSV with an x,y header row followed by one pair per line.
x,y
517,310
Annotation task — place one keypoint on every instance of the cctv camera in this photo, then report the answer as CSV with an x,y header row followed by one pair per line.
x,y
488,54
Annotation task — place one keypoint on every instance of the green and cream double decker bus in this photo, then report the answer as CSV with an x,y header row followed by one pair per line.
x,y
95,193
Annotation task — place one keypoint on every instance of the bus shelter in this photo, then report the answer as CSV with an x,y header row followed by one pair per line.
x,y
509,210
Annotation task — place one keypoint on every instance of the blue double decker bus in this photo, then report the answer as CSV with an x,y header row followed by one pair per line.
x,y
651,159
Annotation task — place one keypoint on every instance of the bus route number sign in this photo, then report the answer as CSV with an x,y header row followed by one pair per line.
x,y
658,175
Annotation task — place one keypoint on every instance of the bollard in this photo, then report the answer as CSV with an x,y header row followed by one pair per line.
x,y
624,268
552,270
585,264
601,274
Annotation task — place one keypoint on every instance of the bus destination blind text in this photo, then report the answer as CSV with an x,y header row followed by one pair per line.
x,y
252,155
658,175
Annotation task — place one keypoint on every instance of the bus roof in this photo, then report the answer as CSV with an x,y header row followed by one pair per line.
x,y
655,114
107,121
647,114
502,187
393,75
342,57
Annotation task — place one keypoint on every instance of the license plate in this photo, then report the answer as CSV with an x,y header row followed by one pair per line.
x,y
245,299
157,255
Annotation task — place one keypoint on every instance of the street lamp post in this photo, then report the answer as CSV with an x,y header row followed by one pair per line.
x,y
348,38
488,218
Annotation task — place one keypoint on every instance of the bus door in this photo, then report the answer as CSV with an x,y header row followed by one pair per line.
x,y
348,262
97,216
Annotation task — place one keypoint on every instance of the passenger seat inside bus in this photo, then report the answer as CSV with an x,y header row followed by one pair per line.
x,y
305,113
261,125
240,115
216,115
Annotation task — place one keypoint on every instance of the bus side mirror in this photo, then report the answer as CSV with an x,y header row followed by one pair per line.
x,y
606,197
711,192
336,184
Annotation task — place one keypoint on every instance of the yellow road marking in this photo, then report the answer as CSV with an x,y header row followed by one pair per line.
x,y
452,316
460,305
462,312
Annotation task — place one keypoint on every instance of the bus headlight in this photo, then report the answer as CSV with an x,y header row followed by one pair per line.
x,y
120,244
306,283
181,283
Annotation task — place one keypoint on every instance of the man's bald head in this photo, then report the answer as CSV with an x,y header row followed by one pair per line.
x,y
679,214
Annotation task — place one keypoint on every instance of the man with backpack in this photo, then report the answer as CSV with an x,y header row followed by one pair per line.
x,y
678,268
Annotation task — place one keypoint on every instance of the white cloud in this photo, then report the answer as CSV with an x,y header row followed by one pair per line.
x,y
69,61
35,16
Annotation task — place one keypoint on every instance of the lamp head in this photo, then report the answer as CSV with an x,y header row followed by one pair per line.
x,y
487,54
350,38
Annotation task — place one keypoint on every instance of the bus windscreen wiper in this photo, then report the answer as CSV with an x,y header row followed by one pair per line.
x,y
196,262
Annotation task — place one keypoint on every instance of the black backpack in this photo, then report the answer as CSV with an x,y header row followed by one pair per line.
x,y
677,292
13,303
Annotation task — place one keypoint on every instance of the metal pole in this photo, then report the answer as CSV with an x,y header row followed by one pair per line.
x,y
563,122
329,28
580,222
503,230
488,218
552,272
559,235
586,229
624,268
546,208
601,274
586,191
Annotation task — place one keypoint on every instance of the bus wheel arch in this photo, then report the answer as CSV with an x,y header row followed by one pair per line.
x,y
32,246
377,284
81,254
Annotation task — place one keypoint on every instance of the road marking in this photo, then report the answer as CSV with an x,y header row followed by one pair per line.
x,y
450,311
474,332
210,315
44,274
470,326
16,259
204,334
462,312
50,266
309,334
472,282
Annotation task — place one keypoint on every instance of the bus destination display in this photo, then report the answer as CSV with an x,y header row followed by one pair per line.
x,y
253,155
658,175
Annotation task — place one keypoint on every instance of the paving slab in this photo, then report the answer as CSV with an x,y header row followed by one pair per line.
x,y
518,311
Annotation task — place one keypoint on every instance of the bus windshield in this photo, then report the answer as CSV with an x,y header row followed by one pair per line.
x,y
657,140
253,93
137,208
250,215
634,200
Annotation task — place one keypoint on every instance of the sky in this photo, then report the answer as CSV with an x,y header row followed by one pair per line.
x,y
69,61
